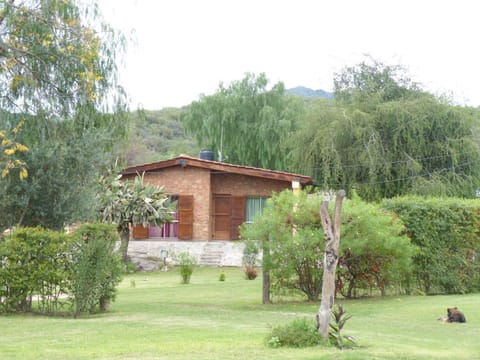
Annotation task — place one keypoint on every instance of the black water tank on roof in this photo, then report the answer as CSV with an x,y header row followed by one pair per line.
x,y
206,155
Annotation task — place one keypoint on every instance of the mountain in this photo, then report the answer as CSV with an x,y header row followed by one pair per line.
x,y
305,92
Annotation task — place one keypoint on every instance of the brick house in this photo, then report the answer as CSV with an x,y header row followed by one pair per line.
x,y
213,198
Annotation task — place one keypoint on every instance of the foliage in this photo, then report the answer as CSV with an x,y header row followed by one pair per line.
x,y
249,259
36,262
340,317
158,135
298,333
128,204
374,252
246,121
371,82
61,185
222,276
58,80
446,232
293,239
57,56
186,264
384,137
9,147
96,267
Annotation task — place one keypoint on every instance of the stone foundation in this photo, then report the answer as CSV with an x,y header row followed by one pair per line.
x,y
146,253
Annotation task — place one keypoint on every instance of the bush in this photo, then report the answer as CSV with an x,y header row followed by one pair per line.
x,y
249,259
186,264
34,261
374,251
299,333
97,267
446,231
222,276
291,233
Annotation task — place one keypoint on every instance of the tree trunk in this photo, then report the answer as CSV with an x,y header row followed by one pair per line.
x,y
124,239
330,260
265,277
266,287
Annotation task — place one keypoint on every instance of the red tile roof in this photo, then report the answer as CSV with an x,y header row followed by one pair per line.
x,y
215,166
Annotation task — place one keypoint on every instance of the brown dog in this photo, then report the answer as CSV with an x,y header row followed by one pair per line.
x,y
455,315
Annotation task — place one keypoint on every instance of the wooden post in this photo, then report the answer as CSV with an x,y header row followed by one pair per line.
x,y
330,260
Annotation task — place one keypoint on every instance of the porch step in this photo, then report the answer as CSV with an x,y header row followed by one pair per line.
x,y
213,253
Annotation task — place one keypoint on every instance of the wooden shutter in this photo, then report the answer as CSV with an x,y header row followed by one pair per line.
x,y
185,217
238,215
223,217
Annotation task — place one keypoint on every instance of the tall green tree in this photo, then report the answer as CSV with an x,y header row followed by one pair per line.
x,y
385,137
58,77
247,122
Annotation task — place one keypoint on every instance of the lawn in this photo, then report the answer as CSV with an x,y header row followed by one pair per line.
x,y
159,318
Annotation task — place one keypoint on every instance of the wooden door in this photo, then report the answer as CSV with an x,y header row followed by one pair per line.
x,y
222,217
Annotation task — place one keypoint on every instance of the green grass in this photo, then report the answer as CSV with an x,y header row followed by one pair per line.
x,y
160,318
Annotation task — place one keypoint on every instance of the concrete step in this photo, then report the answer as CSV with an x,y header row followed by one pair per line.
x,y
212,254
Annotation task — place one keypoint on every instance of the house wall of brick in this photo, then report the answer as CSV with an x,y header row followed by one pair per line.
x,y
202,185
241,185
188,181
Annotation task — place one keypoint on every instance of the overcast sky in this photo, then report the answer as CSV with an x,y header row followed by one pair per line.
x,y
187,47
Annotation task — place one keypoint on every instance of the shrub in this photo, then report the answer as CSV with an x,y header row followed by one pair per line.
x,y
291,233
97,267
299,333
336,336
249,259
186,264
374,251
222,276
34,261
446,231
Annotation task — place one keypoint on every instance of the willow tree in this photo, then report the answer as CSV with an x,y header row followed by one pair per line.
x,y
247,122
385,137
57,59
58,77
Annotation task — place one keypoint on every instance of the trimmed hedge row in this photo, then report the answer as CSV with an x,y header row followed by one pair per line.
x,y
447,232
42,267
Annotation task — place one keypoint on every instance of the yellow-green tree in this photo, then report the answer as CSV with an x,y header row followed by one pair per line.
x,y
57,60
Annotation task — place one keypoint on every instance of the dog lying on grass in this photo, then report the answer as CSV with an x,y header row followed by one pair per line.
x,y
453,315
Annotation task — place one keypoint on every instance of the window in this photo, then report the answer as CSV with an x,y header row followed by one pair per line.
x,y
254,207
168,230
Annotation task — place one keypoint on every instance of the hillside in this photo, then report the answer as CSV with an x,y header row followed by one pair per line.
x,y
305,92
158,135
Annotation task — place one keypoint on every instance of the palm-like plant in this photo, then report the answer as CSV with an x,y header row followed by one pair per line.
x,y
340,317
128,204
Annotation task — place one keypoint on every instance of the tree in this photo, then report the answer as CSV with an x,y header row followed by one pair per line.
x,y
289,229
371,82
58,79
127,204
375,254
57,57
330,261
246,122
62,182
384,137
